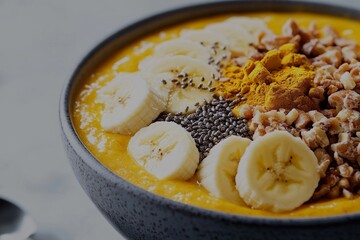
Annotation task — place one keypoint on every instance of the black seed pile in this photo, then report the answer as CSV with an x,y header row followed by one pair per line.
x,y
210,123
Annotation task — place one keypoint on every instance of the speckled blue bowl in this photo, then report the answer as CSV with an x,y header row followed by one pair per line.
x,y
139,214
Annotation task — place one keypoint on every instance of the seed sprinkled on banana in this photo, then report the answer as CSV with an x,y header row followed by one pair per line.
x,y
166,150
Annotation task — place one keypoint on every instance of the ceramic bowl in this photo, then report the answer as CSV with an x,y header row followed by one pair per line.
x,y
138,214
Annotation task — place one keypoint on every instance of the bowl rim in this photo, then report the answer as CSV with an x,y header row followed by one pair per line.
x,y
69,131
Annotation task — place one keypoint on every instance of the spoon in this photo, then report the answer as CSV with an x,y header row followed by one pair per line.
x,y
15,223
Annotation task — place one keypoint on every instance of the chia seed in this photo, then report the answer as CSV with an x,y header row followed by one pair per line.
x,y
210,123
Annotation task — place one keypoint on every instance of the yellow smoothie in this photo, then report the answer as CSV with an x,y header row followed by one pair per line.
x,y
111,149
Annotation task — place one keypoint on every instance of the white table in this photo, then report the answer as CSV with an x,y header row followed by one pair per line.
x,y
41,42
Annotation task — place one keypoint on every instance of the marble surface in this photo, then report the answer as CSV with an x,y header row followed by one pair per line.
x,y
41,41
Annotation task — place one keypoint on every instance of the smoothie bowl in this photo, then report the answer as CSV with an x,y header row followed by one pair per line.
x,y
229,120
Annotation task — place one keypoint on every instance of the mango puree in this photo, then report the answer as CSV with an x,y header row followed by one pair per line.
x,y
110,149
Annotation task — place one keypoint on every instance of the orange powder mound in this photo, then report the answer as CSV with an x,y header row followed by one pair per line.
x,y
282,79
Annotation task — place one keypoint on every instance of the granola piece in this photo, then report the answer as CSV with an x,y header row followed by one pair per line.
x,y
269,117
331,56
355,72
303,120
334,126
315,116
324,160
290,28
339,160
319,120
343,42
317,94
333,88
355,179
344,183
329,113
313,30
259,131
344,99
324,76
245,111
334,192
349,120
272,41
349,53
321,191
345,67
292,116
314,138
347,194
347,81
347,147
345,170
329,36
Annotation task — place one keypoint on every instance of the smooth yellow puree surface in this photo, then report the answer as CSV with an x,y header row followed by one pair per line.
x,y
110,149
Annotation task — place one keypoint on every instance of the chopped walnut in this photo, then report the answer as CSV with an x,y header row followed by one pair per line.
x,y
347,147
302,120
345,170
329,113
324,160
292,116
313,48
347,194
344,183
349,53
344,99
349,120
321,191
315,116
329,36
334,192
339,160
245,111
315,138
332,131
290,28
347,80
332,56
317,93
334,126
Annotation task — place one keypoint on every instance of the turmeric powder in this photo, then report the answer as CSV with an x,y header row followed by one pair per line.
x,y
281,79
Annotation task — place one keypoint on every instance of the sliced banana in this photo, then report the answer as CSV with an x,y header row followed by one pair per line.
x,y
255,26
204,37
218,170
176,80
217,45
129,104
182,47
239,38
277,172
166,150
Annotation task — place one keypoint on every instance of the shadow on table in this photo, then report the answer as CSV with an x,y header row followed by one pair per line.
x,y
43,236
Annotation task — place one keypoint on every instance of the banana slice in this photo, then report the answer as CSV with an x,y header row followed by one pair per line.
x,y
218,170
182,47
166,150
239,38
277,172
217,45
255,26
129,104
176,80
204,37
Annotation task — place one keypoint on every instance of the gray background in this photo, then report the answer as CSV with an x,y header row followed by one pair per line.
x,y
41,41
